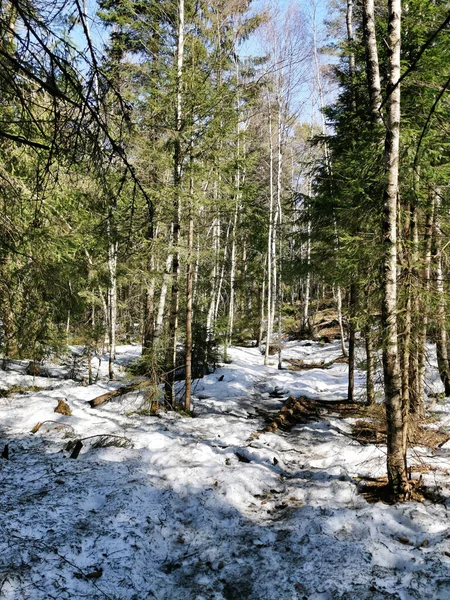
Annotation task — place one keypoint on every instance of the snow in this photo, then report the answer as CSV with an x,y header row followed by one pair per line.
x,y
210,507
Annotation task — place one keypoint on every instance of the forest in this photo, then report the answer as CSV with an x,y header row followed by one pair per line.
x,y
224,241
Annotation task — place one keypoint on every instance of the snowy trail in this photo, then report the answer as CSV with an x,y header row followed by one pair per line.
x,y
209,508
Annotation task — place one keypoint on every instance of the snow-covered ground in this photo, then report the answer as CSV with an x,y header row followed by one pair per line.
x,y
209,507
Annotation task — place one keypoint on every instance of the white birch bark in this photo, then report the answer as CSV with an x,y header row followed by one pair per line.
x,y
164,288
328,163
372,66
270,245
170,396
396,460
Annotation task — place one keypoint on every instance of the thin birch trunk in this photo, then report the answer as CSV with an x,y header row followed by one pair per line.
x,y
149,310
189,292
112,301
214,274
341,321
169,392
269,245
413,377
280,225
441,341
406,327
222,273
196,267
328,164
306,324
351,343
370,358
163,293
262,297
418,403
228,339
372,65
351,55
396,458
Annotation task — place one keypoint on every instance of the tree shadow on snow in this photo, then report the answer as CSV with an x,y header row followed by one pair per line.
x,y
133,524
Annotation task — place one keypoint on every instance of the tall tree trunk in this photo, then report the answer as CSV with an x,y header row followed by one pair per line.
x,y
396,459
372,65
228,339
262,297
222,273
163,293
418,404
351,343
406,322
330,173
169,392
306,324
214,274
413,378
441,340
189,292
270,246
280,225
341,321
112,301
370,358
351,55
149,310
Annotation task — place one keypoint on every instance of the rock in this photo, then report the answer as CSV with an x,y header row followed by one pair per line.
x,y
63,408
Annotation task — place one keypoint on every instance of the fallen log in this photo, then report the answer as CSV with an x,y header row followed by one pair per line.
x,y
126,389
302,410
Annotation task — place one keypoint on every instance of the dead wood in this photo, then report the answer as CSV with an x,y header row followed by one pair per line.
x,y
63,408
293,412
58,423
126,389
77,449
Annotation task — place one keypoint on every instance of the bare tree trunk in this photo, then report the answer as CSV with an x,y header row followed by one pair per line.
x,y
418,403
230,325
328,164
112,303
280,225
169,392
406,321
441,341
396,459
214,274
370,358
413,376
306,323
149,311
222,273
196,267
372,65
269,246
262,297
341,321
163,293
189,290
351,343
351,56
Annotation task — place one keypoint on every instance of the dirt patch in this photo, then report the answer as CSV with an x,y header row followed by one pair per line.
x,y
371,429
378,490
